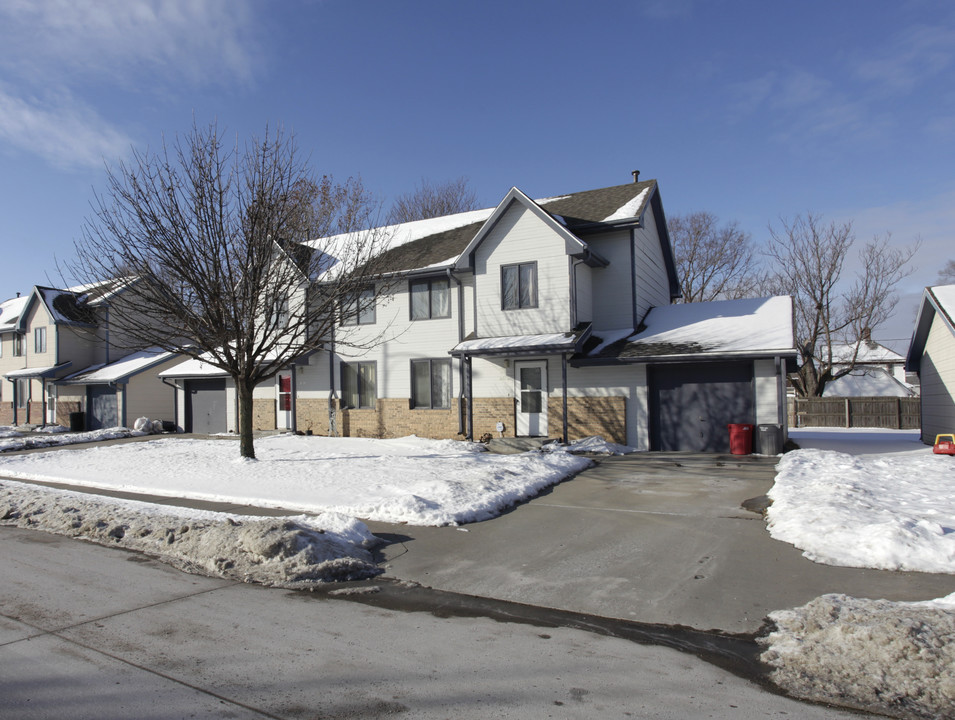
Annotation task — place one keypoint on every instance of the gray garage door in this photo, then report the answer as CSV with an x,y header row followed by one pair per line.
x,y
101,409
691,405
205,406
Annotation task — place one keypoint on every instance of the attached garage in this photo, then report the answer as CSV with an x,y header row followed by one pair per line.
x,y
102,407
206,406
691,405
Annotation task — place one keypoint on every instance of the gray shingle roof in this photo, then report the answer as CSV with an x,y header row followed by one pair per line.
x,y
580,211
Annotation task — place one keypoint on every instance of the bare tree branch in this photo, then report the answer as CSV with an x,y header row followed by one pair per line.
x,y
714,262
807,257
238,255
430,200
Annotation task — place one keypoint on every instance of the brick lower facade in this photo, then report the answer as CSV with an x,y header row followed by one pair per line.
x,y
604,416
33,416
263,414
63,410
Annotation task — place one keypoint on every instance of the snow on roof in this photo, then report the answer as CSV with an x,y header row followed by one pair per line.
x,y
10,311
121,369
945,296
36,372
760,325
193,367
869,352
630,209
867,382
513,342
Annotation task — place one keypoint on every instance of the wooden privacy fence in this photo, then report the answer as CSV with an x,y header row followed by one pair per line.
x,y
872,412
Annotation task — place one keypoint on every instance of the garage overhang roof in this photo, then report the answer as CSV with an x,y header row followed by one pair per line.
x,y
521,345
118,372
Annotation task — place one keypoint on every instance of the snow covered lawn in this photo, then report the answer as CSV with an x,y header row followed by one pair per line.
x,y
410,480
873,499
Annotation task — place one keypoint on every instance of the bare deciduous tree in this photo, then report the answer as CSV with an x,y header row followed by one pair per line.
x,y
714,262
808,256
207,238
947,273
430,200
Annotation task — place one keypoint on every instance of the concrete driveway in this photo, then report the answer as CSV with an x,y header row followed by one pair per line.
x,y
651,537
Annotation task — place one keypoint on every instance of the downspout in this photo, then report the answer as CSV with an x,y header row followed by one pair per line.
x,y
470,429
563,372
452,277
43,395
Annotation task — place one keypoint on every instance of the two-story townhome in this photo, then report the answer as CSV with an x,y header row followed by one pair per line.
x,y
547,318
58,361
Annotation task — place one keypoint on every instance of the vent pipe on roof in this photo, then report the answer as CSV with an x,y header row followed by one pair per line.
x,y
636,175
18,294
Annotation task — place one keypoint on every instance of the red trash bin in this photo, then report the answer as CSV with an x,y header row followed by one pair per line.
x,y
741,438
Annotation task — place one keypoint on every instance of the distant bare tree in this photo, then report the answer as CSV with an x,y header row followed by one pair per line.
x,y
207,237
429,200
807,257
714,262
947,274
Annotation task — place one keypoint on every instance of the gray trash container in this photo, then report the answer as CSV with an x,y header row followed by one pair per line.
x,y
769,439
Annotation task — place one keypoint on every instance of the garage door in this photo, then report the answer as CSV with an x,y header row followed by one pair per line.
x,y
101,409
205,406
690,405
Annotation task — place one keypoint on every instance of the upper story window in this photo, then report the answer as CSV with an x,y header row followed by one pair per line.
x,y
17,345
359,385
519,286
430,299
39,340
280,314
361,310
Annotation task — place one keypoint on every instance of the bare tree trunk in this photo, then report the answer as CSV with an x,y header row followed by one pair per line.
x,y
246,447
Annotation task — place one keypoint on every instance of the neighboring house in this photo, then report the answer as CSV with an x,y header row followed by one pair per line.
x,y
547,318
54,336
932,356
878,372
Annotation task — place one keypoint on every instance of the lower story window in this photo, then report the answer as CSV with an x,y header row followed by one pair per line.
x,y
359,386
23,392
431,383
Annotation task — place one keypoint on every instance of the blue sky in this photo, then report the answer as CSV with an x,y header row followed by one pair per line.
x,y
750,110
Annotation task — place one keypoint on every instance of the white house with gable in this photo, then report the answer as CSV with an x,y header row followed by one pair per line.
x,y
537,318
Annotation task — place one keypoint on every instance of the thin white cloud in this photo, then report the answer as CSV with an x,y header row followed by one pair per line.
x,y
66,135
56,56
918,53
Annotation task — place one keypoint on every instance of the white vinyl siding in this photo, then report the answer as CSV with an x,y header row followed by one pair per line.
x,y
521,237
767,392
937,376
652,281
612,292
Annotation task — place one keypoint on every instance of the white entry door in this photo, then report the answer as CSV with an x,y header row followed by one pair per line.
x,y
530,379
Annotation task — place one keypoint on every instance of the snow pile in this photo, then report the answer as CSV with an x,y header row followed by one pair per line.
x,y
53,436
410,480
593,444
147,426
875,655
283,552
893,512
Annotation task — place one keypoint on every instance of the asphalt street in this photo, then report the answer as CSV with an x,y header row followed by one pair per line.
x,y
95,632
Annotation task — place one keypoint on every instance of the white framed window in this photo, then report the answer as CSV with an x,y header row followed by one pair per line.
x,y
17,345
431,384
361,310
430,298
519,286
39,340
359,385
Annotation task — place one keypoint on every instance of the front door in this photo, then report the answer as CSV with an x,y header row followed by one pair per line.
x,y
530,379
284,408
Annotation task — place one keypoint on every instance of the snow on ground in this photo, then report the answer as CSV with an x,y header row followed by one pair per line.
x,y
54,435
876,499
284,552
409,480
593,444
